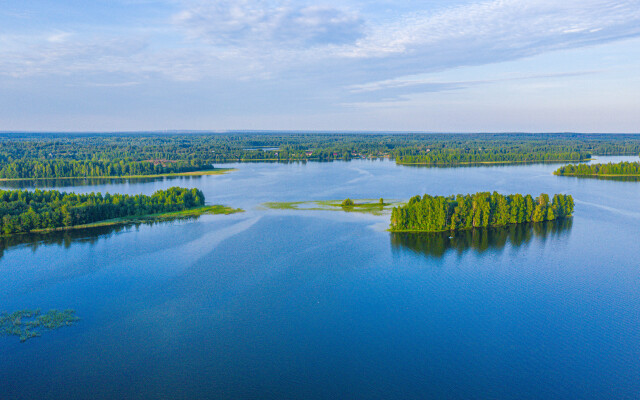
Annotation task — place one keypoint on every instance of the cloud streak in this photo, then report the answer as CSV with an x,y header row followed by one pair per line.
x,y
520,26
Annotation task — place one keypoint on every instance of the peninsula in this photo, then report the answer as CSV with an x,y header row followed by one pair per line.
x,y
23,211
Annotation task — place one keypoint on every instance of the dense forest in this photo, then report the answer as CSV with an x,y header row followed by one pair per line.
x,y
24,211
480,156
436,214
49,155
621,169
37,169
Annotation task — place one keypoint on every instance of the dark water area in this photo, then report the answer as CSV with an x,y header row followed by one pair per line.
x,y
326,304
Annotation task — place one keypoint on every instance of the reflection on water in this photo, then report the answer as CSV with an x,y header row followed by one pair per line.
x,y
483,239
61,238
68,182
608,178
66,238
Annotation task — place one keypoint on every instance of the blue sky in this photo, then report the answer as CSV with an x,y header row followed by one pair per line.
x,y
464,66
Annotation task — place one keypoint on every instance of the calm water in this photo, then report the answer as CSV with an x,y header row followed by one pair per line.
x,y
313,304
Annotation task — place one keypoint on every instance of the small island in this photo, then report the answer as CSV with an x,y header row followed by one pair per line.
x,y
366,206
480,210
23,211
621,169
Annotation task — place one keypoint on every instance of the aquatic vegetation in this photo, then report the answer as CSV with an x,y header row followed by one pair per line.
x,y
369,206
28,324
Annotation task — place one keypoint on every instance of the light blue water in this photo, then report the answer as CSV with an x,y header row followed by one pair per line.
x,y
318,304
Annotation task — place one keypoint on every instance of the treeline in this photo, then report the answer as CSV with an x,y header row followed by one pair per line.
x,y
24,211
484,209
30,169
479,156
198,150
622,168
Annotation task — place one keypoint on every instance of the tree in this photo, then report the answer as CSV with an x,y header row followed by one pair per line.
x,y
347,203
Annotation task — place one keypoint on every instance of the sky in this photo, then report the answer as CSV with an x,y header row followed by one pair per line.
x,y
349,65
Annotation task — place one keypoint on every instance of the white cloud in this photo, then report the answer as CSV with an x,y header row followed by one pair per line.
x,y
421,81
268,39
58,37
254,23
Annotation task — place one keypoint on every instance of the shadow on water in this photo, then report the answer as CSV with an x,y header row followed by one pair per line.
x,y
67,238
481,240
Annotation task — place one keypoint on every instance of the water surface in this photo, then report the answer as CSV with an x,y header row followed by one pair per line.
x,y
325,304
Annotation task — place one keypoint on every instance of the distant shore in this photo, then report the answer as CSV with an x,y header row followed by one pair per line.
x,y
494,162
603,175
216,171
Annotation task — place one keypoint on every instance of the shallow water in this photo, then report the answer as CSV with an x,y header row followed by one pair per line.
x,y
326,304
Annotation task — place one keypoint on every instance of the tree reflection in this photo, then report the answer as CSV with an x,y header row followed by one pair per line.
x,y
67,237
52,183
480,240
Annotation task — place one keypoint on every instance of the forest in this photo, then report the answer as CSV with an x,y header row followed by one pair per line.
x,y
611,169
479,210
478,156
51,155
24,211
38,169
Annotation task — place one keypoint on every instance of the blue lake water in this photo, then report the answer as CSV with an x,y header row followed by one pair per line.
x,y
325,304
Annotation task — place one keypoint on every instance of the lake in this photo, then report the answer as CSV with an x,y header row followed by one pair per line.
x,y
275,304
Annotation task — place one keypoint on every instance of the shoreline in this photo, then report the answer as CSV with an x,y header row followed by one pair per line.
x,y
496,162
134,219
453,231
217,171
597,175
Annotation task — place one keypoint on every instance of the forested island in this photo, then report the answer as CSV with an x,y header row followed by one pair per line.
x,y
611,169
60,155
479,210
23,211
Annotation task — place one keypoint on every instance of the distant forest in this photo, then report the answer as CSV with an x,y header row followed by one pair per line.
x,y
41,155
480,210
24,211
29,169
489,156
610,169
